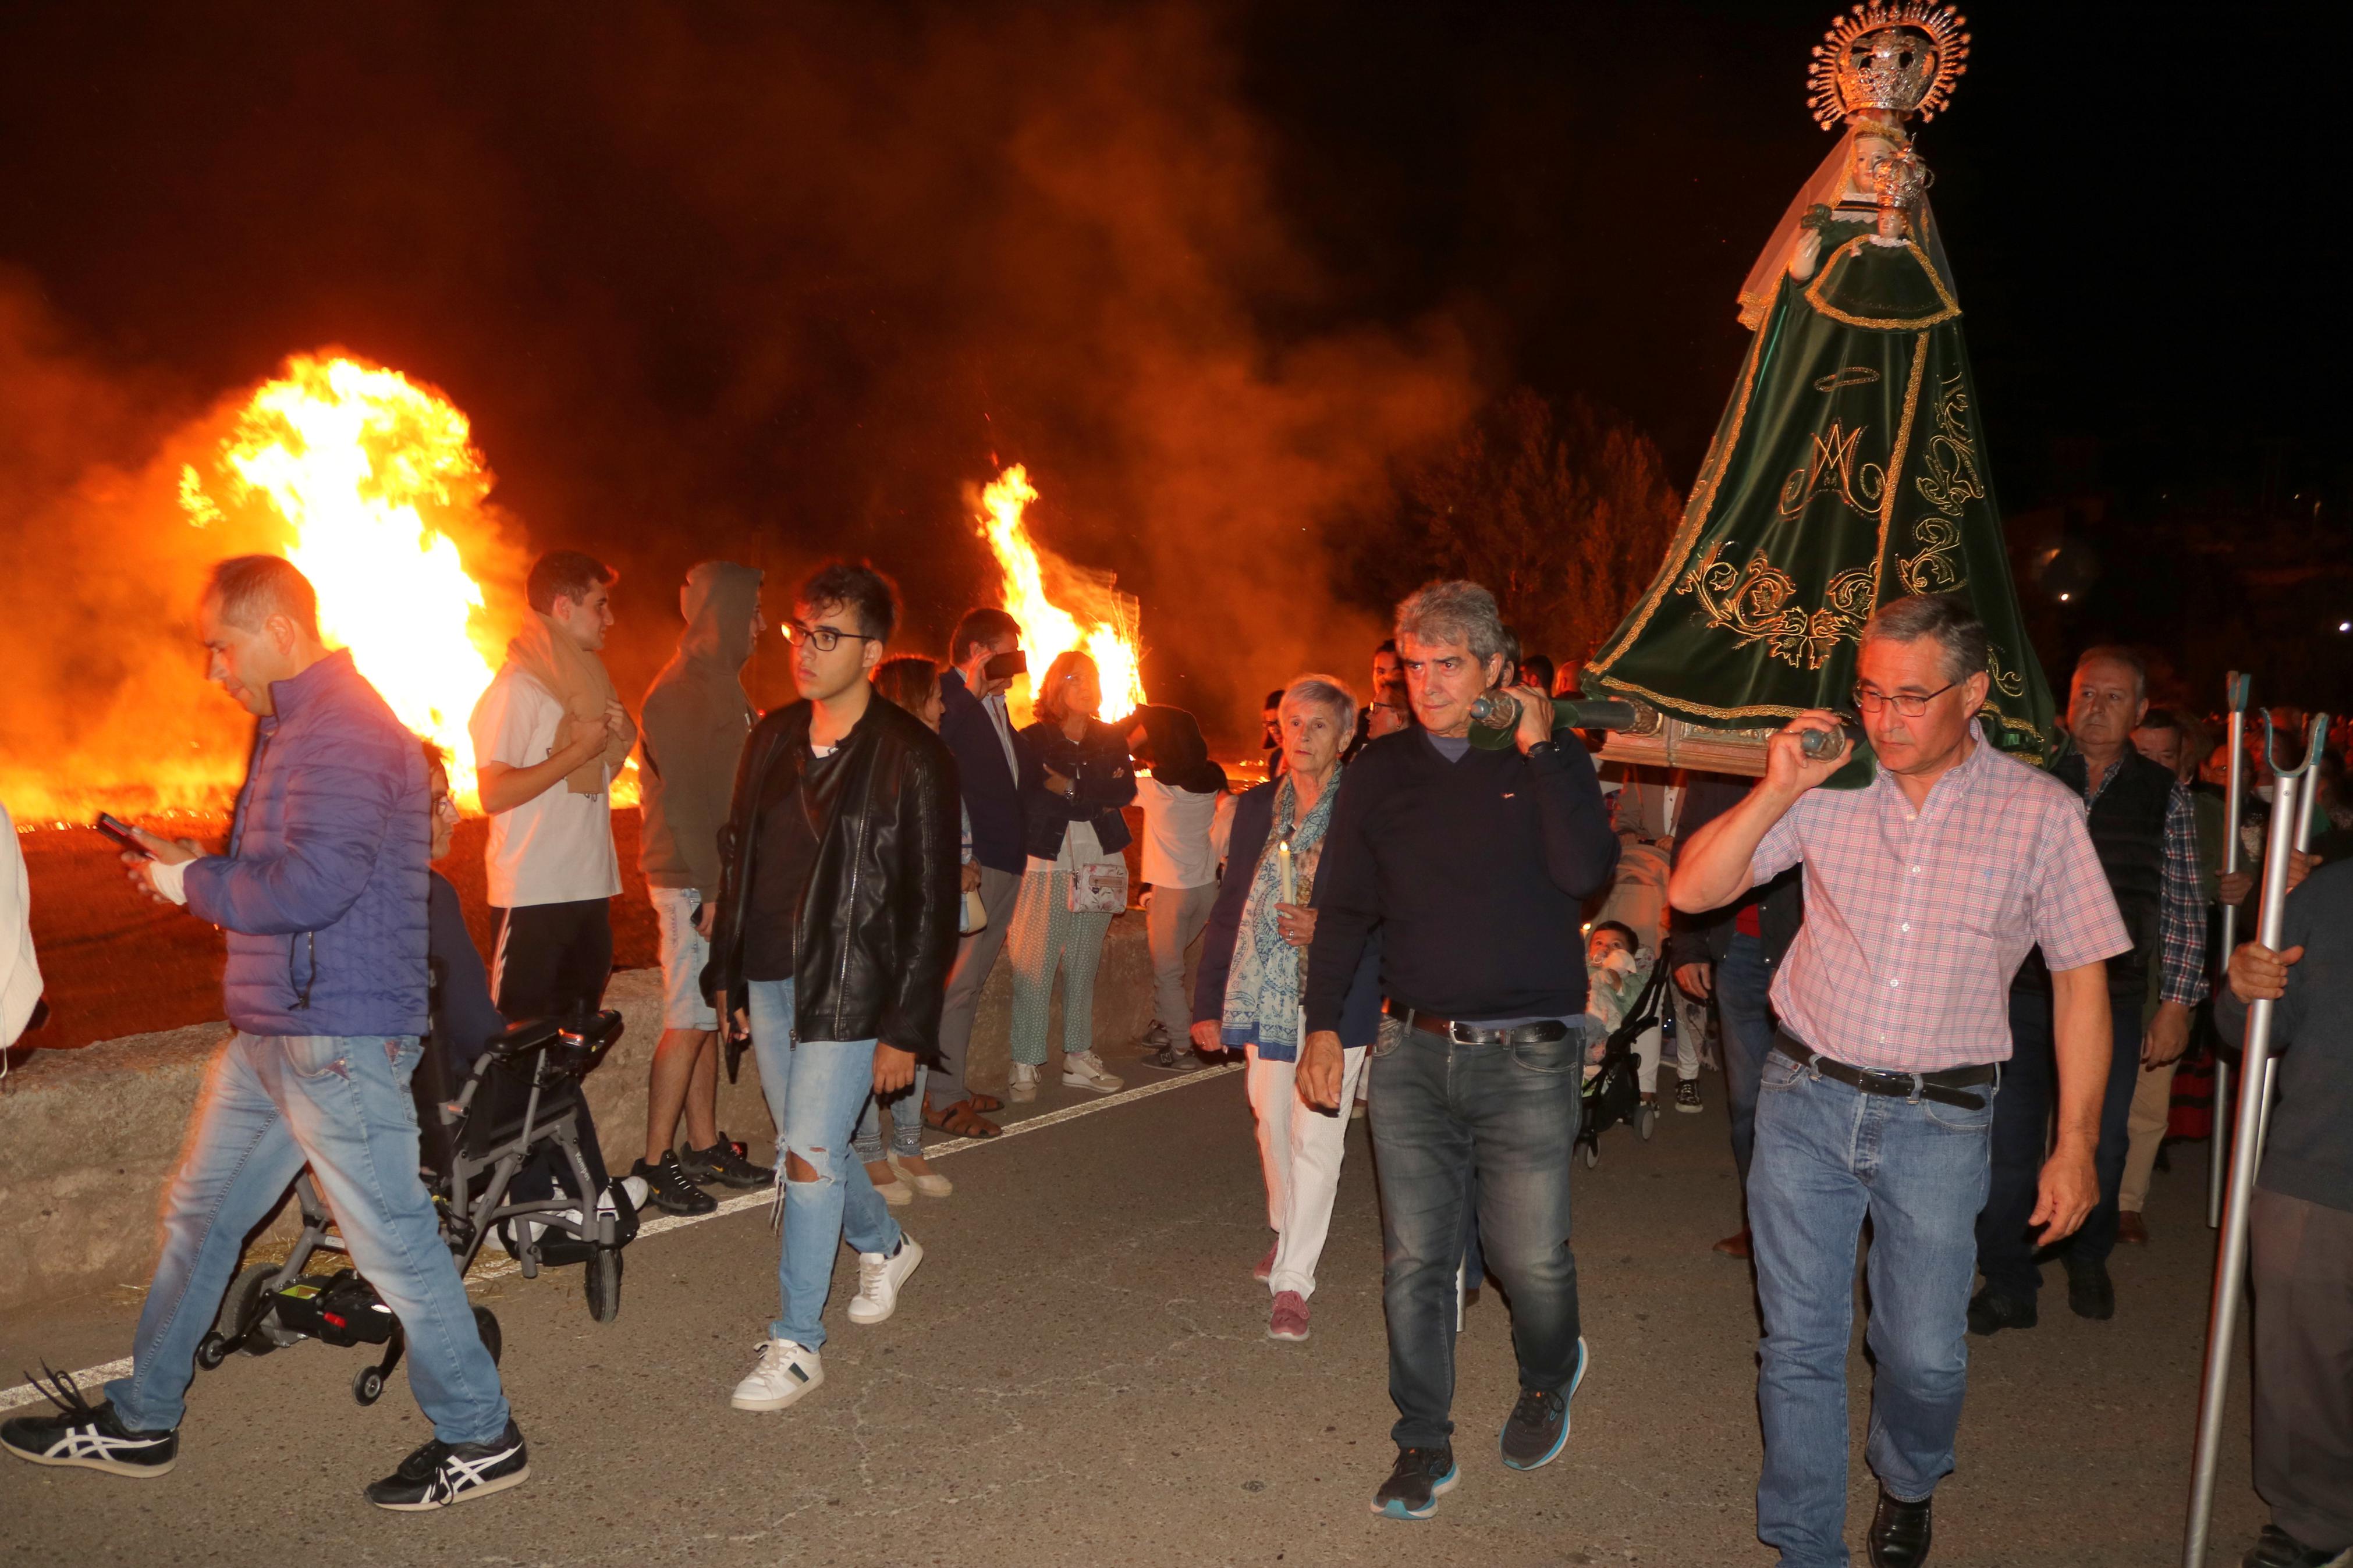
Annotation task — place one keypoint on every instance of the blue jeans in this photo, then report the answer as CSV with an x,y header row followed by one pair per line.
x,y
906,1123
1827,1157
1744,1001
2021,1140
271,1104
1444,1117
816,1090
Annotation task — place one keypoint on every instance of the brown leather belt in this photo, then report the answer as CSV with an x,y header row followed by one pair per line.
x,y
1543,1032
1944,1085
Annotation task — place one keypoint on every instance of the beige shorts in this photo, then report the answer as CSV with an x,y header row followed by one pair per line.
x,y
683,953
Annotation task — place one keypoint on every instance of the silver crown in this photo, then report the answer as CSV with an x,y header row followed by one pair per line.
x,y
1899,183
1903,58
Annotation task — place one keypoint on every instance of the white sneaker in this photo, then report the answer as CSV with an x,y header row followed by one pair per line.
x,y
636,1189
1086,1070
782,1370
880,1275
1025,1082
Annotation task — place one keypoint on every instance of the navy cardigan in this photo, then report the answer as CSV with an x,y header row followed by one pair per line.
x,y
1360,1012
991,794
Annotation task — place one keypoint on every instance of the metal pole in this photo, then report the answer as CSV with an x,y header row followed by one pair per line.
x,y
2302,842
2223,1322
2234,697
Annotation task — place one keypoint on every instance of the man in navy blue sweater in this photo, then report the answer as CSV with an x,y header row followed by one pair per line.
x,y
1474,864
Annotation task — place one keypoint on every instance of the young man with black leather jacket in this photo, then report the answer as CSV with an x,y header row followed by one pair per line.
x,y
836,928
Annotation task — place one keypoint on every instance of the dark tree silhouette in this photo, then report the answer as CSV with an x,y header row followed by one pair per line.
x,y
1563,513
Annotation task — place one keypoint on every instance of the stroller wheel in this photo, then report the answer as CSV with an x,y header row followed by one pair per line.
x,y
1646,1122
238,1306
486,1323
367,1386
603,1284
1592,1156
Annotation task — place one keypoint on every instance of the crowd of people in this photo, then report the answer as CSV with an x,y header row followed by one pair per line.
x,y
1950,1003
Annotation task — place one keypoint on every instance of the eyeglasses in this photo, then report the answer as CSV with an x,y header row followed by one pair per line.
x,y
1871,699
824,639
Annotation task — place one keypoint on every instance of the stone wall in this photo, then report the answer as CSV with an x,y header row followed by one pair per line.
x,y
88,1138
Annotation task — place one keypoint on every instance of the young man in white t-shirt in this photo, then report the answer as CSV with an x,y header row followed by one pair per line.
x,y
553,867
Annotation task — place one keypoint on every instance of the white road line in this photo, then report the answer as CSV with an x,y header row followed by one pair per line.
x,y
90,1377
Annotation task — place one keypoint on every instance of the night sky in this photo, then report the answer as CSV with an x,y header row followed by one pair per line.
x,y
781,281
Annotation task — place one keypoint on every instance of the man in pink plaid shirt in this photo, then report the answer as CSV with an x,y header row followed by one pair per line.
x,y
1925,891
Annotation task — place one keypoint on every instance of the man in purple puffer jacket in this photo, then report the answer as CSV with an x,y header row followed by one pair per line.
x,y
324,894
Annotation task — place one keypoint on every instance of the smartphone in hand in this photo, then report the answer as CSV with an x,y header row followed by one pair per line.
x,y
114,827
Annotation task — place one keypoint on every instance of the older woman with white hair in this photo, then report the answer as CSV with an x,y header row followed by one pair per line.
x,y
1253,969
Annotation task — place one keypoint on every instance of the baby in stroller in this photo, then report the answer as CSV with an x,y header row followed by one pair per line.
x,y
1621,1033
506,1145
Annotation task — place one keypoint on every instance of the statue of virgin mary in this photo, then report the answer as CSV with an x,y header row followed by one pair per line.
x,y
1849,468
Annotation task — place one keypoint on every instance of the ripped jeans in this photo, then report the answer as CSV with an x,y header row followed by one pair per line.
x,y
816,1090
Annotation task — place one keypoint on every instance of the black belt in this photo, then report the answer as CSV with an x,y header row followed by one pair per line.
x,y
1542,1032
1943,1086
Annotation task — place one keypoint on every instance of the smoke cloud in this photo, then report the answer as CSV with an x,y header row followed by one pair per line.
x,y
713,283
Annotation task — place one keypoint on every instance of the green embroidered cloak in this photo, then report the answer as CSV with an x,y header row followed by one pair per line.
x,y
1848,468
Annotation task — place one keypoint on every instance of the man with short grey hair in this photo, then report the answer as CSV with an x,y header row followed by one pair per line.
x,y
2145,828
1473,863
1924,890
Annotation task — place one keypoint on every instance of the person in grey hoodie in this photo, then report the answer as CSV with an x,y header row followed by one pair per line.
x,y
695,719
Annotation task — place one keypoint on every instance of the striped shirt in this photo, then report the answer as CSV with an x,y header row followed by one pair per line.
x,y
1916,921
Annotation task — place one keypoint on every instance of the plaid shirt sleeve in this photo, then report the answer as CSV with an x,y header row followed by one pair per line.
x,y
1780,848
2075,918
2181,912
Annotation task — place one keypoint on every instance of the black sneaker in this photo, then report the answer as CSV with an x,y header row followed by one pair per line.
x,y
1538,1425
1413,1487
440,1473
724,1162
668,1189
1990,1313
1172,1057
85,1435
2090,1292
1687,1098
2275,1547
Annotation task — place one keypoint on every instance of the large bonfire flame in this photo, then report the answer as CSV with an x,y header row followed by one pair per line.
x,y
367,471
1084,611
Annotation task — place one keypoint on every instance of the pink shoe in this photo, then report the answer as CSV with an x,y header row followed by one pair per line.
x,y
1289,1319
1265,1269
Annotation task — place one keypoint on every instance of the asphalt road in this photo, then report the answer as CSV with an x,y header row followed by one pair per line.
x,y
1079,1375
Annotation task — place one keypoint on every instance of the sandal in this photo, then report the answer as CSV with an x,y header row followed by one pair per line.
x,y
960,1119
987,1104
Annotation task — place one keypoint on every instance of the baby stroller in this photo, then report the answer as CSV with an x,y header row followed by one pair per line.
x,y
1613,1091
520,1103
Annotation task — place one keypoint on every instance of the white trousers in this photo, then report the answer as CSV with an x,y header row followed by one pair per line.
x,y
1301,1149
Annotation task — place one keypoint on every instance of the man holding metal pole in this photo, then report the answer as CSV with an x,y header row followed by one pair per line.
x,y
2238,1207
1923,891
2300,1224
